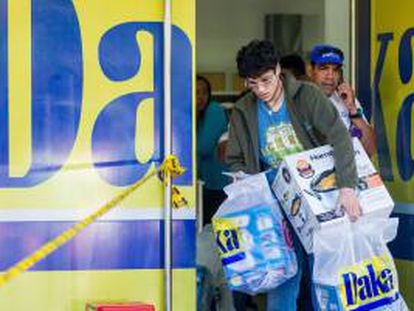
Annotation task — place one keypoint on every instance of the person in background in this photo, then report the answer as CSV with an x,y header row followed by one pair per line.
x,y
280,116
212,123
295,65
326,72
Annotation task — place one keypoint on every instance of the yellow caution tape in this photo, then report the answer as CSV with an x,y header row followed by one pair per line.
x,y
171,166
178,200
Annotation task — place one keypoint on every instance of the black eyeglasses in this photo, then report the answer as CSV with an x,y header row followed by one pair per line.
x,y
265,82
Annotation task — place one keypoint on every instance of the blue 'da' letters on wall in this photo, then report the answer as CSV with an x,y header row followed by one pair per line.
x,y
120,59
57,88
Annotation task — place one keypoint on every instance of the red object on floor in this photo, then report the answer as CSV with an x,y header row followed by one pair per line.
x,y
119,307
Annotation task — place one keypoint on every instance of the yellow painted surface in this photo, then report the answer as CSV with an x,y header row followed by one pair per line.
x,y
394,17
19,52
78,185
70,291
406,273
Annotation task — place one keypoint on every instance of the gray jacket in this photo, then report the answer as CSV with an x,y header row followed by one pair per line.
x,y
315,120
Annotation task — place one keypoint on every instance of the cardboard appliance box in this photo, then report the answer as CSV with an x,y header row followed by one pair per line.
x,y
306,188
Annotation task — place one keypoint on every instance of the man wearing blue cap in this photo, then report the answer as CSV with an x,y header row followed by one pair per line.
x,y
327,61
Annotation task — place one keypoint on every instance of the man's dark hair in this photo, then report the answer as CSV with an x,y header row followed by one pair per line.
x,y
256,58
294,63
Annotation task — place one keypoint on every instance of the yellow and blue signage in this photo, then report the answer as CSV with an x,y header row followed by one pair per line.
x,y
81,119
369,285
385,82
228,240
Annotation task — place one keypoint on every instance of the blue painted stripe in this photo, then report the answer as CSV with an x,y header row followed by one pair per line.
x,y
403,245
386,301
105,245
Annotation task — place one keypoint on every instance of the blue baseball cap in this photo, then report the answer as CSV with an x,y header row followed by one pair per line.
x,y
326,54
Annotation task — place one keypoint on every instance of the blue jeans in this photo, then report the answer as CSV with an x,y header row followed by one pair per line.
x,y
284,297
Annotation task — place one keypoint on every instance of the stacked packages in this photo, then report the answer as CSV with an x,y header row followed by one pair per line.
x,y
305,186
353,269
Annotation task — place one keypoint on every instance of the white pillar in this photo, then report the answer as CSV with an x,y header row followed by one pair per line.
x,y
337,28
168,282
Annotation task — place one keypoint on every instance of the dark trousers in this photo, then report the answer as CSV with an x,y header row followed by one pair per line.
x,y
305,293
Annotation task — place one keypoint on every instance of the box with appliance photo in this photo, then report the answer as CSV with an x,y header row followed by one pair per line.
x,y
305,186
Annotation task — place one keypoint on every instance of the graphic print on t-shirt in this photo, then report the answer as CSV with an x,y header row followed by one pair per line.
x,y
277,138
280,140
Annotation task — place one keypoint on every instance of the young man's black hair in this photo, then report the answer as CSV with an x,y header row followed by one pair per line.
x,y
256,58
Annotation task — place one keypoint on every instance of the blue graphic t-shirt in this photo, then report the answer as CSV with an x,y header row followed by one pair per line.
x,y
277,137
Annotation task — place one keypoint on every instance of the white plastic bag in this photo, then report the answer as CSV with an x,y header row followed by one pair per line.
x,y
353,269
255,247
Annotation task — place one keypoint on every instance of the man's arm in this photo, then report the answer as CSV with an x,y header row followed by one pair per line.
x,y
368,138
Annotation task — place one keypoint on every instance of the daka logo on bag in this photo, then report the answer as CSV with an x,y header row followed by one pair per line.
x,y
369,284
228,239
